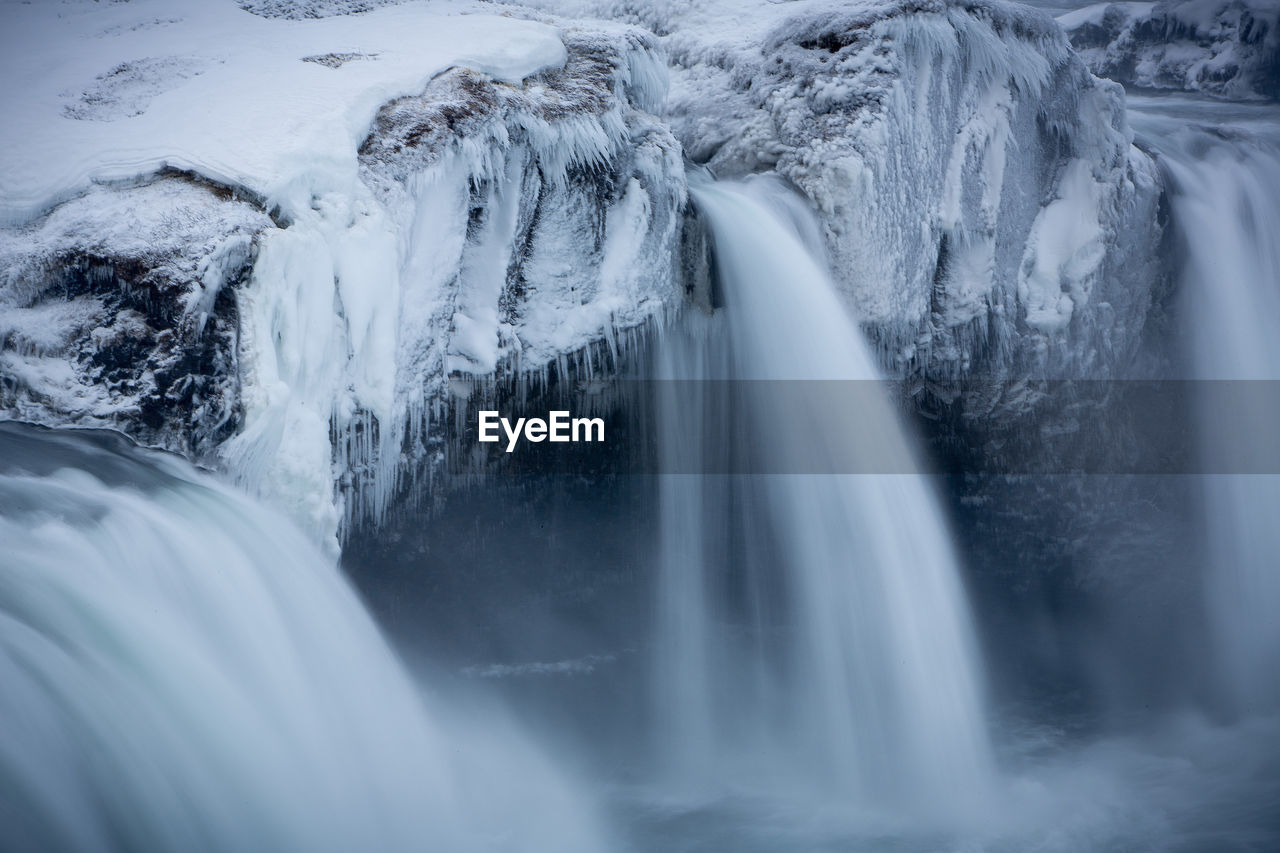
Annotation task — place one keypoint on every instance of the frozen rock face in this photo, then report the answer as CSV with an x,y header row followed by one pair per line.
x,y
118,310
485,225
981,202
1228,49
983,206
539,229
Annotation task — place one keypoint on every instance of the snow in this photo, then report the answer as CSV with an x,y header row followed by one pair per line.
x,y
1225,48
1096,13
436,179
107,307
931,138
99,92
1064,250
440,198
174,220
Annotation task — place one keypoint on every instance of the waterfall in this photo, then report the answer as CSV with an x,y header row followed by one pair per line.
x,y
182,670
812,628
1225,203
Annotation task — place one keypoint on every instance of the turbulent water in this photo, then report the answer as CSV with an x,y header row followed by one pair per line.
x,y
813,627
183,670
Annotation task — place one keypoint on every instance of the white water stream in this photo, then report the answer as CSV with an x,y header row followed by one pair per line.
x,y
812,627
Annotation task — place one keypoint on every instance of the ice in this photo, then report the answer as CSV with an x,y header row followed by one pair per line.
x,y
467,196
931,139
1227,48
372,141
1064,251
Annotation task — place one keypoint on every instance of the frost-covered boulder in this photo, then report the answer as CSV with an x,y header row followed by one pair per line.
x,y
117,309
983,205
1227,48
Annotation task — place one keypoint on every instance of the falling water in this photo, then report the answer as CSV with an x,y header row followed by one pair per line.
x,y
182,670
1225,201
811,626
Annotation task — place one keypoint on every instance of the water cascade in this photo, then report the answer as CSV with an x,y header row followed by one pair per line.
x,y
812,627
183,670
1225,201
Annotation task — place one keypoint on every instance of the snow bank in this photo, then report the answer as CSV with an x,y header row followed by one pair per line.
x,y
110,91
1227,48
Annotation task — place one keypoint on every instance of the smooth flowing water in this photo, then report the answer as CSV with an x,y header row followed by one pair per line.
x,y
183,670
1223,167
812,630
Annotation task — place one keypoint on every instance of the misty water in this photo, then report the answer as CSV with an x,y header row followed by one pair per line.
x,y
1224,181
185,671
683,662
1190,764
791,662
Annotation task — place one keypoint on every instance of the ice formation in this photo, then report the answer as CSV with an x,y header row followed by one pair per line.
x,y
1228,48
346,213
944,145
515,208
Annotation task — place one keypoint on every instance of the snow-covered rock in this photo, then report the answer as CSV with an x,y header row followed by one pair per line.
x,y
110,91
117,310
984,207
1227,48
415,197
531,225
371,214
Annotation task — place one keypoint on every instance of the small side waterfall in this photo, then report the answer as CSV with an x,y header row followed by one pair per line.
x,y
182,670
1225,197
808,624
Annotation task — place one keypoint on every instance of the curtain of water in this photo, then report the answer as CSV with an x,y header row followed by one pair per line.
x,y
812,627
1225,200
